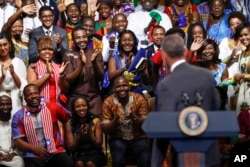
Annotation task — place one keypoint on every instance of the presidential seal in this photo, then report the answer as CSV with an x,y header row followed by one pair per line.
x,y
193,121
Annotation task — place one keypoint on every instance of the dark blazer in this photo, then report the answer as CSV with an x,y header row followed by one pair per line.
x,y
188,79
153,70
36,33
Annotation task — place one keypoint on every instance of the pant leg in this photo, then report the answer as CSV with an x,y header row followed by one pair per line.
x,y
157,156
60,159
34,162
118,150
141,151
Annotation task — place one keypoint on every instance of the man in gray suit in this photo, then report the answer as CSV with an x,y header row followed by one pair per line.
x,y
186,85
58,35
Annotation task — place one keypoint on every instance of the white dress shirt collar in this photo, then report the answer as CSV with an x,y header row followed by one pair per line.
x,y
176,64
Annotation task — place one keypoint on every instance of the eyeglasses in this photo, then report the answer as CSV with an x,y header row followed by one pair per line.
x,y
47,16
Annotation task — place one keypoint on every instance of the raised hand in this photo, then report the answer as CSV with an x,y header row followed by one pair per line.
x,y
196,45
58,38
61,6
94,55
112,42
93,6
30,9
11,69
63,67
83,56
4,70
49,67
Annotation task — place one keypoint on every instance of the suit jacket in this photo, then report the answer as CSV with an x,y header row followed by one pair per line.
x,y
153,71
188,79
36,33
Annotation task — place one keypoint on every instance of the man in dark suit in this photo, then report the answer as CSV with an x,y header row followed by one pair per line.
x,y
58,35
158,34
193,82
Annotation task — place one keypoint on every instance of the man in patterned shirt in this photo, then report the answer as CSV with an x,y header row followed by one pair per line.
x,y
122,116
35,131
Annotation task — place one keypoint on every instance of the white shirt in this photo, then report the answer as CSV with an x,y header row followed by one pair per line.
x,y
159,8
176,64
5,13
6,145
29,23
137,21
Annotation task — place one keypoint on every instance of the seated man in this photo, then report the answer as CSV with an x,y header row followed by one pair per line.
x,y
8,154
122,116
35,131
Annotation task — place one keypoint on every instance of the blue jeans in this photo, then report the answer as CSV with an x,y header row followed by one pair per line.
x,y
139,148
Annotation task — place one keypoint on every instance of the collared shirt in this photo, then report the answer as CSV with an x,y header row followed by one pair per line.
x,y
49,30
57,113
156,48
137,104
6,144
5,13
176,64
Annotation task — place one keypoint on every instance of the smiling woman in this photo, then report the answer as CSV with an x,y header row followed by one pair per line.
x,y
88,134
208,58
45,73
12,72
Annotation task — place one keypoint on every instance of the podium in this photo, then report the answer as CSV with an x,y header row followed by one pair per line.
x,y
191,148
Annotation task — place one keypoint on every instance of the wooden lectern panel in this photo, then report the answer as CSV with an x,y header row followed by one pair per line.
x,y
192,159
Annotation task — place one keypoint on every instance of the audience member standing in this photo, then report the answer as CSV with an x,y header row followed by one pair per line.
x,y
184,80
14,27
58,35
217,26
6,10
70,16
151,17
45,73
13,72
84,71
243,77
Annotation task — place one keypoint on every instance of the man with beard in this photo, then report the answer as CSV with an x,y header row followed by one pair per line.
x,y
88,23
122,115
15,27
8,153
142,21
84,71
35,131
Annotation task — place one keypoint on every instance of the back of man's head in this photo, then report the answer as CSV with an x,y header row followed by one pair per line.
x,y
174,46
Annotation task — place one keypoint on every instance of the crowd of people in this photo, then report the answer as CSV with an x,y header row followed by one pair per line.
x,y
72,72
